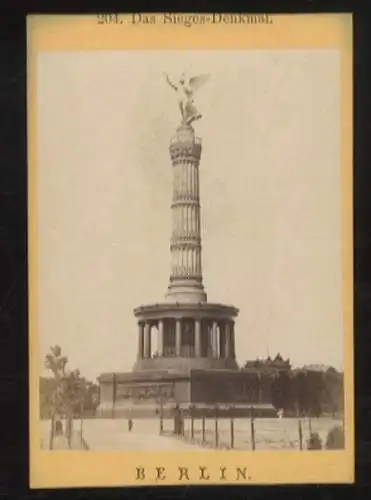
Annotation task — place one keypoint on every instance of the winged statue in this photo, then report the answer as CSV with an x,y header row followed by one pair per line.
x,y
186,88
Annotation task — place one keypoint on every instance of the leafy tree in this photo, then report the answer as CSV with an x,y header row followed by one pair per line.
x,y
91,397
68,388
55,362
308,391
300,392
332,391
315,382
282,391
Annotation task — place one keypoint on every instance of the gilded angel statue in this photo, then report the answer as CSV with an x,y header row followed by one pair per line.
x,y
185,89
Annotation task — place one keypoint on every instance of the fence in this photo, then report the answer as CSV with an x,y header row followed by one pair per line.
x,y
242,433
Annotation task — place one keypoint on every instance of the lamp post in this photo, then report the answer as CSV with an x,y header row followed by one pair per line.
x,y
216,427
231,427
161,413
192,415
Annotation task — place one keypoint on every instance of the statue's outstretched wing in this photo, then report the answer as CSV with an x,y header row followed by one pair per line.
x,y
172,84
197,81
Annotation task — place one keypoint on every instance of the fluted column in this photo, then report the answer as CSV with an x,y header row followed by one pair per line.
x,y
198,338
227,340
232,340
215,339
178,337
160,347
140,340
147,340
186,273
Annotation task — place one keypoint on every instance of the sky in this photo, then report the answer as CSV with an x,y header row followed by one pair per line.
x,y
270,197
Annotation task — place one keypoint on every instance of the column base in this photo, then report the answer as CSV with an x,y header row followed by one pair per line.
x,y
186,291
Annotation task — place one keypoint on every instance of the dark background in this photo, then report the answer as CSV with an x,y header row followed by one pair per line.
x,y
13,254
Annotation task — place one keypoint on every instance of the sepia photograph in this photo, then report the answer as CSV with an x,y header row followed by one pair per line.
x,y
189,253
190,264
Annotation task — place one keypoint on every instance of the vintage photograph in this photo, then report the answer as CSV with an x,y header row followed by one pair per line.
x,y
189,251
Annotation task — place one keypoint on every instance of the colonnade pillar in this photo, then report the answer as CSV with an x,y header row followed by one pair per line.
x,y
178,337
198,338
227,340
147,341
214,339
160,347
144,340
232,340
141,340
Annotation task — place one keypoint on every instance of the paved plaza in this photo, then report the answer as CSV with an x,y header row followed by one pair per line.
x,y
113,434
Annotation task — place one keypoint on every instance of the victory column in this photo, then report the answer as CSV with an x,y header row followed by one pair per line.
x,y
195,361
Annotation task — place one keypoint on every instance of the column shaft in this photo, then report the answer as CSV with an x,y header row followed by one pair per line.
x,y
140,341
193,181
160,347
227,340
147,341
198,338
178,337
215,339
233,346
188,181
186,238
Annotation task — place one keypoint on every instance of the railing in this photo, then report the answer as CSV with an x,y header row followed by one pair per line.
x,y
232,432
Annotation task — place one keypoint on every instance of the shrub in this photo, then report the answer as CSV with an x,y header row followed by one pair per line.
x,y
314,442
335,438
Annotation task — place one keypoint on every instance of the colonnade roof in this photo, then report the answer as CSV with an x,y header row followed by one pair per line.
x,y
186,310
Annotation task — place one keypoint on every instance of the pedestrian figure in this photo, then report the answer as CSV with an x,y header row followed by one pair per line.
x,y
177,421
130,424
60,441
58,428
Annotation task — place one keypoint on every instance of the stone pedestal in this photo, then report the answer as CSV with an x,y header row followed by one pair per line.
x,y
152,394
